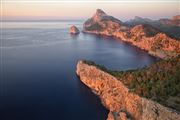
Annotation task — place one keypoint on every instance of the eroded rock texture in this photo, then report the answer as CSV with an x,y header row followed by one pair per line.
x,y
117,98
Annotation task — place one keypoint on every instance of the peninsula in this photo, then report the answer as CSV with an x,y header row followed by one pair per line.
x,y
144,35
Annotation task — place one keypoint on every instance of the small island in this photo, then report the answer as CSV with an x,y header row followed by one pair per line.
x,y
74,30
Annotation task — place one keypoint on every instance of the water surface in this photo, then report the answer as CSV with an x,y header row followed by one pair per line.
x,y
38,79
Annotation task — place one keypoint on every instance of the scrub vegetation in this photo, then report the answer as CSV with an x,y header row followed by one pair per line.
x,y
159,82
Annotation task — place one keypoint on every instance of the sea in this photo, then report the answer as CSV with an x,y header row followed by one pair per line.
x,y
38,70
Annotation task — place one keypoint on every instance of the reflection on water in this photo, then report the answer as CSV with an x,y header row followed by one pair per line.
x,y
39,79
40,24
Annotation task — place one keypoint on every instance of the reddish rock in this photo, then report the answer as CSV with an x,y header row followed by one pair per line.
x,y
143,36
175,21
74,30
100,21
177,17
116,97
122,116
110,116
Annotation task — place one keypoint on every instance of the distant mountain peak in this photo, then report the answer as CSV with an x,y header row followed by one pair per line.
x,y
101,21
141,19
138,18
100,15
100,12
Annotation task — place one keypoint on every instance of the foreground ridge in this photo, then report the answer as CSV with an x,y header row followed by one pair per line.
x,y
117,98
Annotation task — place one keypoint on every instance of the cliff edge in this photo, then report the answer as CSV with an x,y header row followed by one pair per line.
x,y
117,98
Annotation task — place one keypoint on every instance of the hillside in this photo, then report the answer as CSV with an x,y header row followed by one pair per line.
x,y
171,26
132,94
159,82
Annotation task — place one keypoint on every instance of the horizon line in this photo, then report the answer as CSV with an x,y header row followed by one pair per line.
x,y
92,1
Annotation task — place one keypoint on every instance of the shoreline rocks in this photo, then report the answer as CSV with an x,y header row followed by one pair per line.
x,y
117,98
74,30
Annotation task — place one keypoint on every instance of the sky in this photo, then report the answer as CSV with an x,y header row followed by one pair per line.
x,y
83,9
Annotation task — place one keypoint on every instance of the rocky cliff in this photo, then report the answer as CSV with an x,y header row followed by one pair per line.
x,y
174,21
144,36
117,98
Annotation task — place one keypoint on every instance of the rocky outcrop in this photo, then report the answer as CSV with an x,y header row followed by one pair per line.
x,y
138,20
175,21
117,98
169,26
74,30
143,36
101,21
143,30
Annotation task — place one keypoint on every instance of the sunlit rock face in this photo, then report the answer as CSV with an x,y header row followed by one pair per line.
x,y
144,36
174,21
144,30
74,30
177,17
100,21
116,97
170,26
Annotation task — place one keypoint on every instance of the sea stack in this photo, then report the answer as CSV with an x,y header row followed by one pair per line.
x,y
74,30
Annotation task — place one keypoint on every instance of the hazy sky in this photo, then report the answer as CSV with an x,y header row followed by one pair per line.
x,y
76,9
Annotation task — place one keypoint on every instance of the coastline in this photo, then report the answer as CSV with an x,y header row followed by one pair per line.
x,y
144,35
117,98
117,38
115,89
121,37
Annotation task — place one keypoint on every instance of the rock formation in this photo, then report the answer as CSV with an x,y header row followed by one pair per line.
x,y
144,36
100,21
74,30
117,98
174,21
169,26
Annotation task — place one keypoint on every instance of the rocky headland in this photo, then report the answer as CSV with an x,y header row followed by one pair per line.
x,y
122,103
145,36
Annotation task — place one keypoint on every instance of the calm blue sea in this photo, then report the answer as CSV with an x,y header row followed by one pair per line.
x,y
38,61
